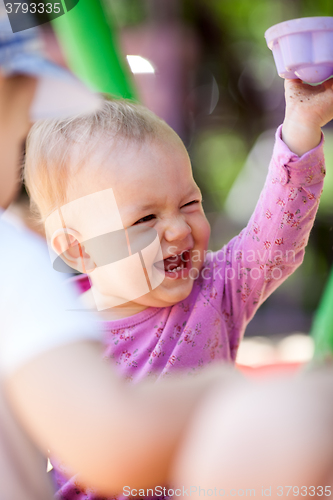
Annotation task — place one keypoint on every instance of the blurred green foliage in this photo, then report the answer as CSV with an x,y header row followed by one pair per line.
x,y
219,157
326,201
126,12
249,20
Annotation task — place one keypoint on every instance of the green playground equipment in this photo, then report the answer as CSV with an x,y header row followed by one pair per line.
x,y
87,36
322,328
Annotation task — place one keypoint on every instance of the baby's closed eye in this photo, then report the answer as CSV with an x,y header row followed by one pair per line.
x,y
147,218
191,203
150,217
191,207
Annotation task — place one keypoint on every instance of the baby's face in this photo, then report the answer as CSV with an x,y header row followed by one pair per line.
x,y
154,188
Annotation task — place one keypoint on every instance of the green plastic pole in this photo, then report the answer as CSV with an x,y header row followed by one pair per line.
x,y
322,328
90,46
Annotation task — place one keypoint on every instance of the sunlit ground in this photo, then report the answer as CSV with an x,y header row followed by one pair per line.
x,y
257,351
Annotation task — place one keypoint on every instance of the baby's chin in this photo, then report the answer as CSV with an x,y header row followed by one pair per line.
x,y
165,295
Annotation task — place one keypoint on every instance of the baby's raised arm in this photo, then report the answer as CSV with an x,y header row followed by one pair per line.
x,y
252,265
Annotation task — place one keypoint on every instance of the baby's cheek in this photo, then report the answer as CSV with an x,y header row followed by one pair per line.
x,y
201,238
201,232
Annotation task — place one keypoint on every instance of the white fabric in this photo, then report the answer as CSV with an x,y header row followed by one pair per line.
x,y
38,311
22,468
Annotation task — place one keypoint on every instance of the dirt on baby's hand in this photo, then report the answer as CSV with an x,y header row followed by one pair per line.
x,y
308,103
308,108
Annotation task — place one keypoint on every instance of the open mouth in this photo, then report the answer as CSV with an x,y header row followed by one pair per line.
x,y
175,264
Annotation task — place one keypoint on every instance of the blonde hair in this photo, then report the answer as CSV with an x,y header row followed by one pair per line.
x,y
56,149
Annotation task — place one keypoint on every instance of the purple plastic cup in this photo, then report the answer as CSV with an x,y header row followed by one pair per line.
x,y
303,48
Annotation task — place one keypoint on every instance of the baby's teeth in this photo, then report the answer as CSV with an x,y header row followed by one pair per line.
x,y
179,268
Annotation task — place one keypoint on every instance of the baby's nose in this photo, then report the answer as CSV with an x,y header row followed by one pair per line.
x,y
176,229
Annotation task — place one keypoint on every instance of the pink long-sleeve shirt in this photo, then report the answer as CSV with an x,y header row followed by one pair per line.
x,y
209,324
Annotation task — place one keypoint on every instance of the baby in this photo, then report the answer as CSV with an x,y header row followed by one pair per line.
x,y
121,180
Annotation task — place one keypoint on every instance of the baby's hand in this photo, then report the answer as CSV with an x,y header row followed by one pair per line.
x,y
307,110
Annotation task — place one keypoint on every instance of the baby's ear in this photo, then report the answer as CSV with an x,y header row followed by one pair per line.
x,y
68,245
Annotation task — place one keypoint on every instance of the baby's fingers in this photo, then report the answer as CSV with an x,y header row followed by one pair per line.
x,y
328,84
